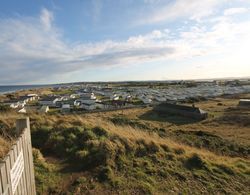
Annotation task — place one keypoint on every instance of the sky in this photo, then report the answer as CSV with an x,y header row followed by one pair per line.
x,y
55,41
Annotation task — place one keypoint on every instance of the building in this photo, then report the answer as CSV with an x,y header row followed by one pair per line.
x,y
244,103
33,96
114,97
65,108
22,110
13,104
49,101
44,109
88,106
183,110
28,109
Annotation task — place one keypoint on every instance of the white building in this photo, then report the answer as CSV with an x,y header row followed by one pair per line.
x,y
44,109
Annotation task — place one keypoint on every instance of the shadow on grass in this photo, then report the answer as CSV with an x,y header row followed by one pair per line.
x,y
170,118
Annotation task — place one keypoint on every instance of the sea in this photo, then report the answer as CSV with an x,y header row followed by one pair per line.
x,y
13,88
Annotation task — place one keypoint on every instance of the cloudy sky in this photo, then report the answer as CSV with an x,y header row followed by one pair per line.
x,y
114,40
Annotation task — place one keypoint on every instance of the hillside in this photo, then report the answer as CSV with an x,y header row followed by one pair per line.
x,y
138,151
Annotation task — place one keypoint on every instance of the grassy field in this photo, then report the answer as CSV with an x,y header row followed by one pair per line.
x,y
138,151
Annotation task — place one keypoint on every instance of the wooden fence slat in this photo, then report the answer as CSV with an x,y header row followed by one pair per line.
x,y
7,166
15,154
3,177
1,187
19,149
19,146
25,186
33,185
28,165
31,169
11,157
28,162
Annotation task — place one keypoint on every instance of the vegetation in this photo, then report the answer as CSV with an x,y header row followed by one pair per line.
x,y
4,108
112,163
123,152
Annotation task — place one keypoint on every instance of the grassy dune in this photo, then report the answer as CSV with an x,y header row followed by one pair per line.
x,y
138,151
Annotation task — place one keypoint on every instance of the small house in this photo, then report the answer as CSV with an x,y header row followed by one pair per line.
x,y
88,106
182,110
22,110
49,101
33,96
14,104
65,108
244,103
44,109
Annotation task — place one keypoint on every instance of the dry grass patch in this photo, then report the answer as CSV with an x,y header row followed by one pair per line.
x,y
4,147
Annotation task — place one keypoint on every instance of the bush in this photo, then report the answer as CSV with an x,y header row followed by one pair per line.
x,y
179,151
4,108
79,181
146,188
81,154
226,169
166,148
39,161
106,174
152,148
88,135
40,136
141,151
100,131
195,162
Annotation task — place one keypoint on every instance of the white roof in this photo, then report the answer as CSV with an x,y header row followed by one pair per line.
x,y
66,106
244,100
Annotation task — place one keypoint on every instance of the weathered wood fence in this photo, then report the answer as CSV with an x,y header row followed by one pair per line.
x,y
16,169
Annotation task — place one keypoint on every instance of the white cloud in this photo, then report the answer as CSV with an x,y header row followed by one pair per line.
x,y
192,9
46,18
235,10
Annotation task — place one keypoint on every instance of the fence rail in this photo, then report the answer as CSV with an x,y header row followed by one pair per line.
x,y
17,169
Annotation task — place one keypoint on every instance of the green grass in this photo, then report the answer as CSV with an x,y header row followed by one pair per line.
x,y
115,164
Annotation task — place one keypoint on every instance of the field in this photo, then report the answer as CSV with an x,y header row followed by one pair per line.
x,y
139,151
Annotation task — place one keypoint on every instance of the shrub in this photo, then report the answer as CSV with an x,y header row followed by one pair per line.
x,y
88,135
166,148
106,174
39,161
145,188
226,169
4,108
179,151
81,154
100,131
56,144
152,147
141,151
195,162
40,136
79,181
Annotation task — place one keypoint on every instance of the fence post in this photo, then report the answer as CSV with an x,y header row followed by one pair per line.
x,y
22,124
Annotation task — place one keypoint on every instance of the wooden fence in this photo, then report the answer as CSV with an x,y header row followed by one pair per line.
x,y
16,169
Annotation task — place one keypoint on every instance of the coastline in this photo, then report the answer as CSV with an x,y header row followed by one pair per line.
x,y
15,88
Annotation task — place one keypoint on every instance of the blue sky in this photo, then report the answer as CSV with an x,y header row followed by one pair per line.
x,y
114,40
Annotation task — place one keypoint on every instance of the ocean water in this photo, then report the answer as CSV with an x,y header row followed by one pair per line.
x,y
14,88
